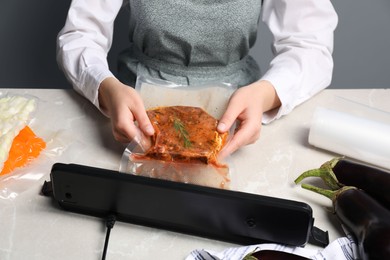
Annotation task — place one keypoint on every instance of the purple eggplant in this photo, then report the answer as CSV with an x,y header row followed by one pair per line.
x,y
273,255
340,172
366,219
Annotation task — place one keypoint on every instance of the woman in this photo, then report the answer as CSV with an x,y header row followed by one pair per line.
x,y
195,41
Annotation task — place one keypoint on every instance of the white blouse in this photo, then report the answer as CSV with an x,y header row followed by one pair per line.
x,y
303,33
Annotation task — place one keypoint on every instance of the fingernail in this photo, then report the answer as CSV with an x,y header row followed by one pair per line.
x,y
221,127
149,130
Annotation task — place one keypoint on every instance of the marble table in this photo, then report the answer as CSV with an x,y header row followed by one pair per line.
x,y
33,227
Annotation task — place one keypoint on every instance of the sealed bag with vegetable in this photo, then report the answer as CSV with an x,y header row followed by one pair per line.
x,y
19,145
18,142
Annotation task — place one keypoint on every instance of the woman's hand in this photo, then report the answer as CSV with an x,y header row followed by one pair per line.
x,y
247,106
124,106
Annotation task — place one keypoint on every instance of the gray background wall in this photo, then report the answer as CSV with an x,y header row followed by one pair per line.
x,y
28,31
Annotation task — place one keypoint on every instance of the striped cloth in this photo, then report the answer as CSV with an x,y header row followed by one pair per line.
x,y
343,248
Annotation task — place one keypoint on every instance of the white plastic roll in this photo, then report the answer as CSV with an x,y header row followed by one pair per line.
x,y
353,136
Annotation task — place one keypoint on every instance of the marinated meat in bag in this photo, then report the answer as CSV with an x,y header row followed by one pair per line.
x,y
185,134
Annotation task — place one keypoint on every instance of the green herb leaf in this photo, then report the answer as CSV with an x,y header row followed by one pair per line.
x,y
179,126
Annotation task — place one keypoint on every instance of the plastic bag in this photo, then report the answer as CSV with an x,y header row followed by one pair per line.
x,y
212,98
35,150
15,113
25,147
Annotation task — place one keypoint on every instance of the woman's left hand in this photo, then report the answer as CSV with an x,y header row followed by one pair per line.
x,y
247,106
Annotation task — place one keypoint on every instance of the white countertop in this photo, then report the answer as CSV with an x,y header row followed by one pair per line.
x,y
33,227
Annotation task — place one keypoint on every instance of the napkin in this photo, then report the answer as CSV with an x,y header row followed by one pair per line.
x,y
343,248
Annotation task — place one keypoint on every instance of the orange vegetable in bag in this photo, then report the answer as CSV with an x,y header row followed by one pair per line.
x,y
25,147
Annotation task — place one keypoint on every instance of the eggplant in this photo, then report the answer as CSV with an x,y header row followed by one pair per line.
x,y
366,219
340,172
273,255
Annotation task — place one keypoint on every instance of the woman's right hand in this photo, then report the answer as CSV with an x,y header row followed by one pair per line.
x,y
124,106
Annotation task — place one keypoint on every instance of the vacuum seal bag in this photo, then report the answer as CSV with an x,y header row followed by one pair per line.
x,y
186,144
354,130
24,151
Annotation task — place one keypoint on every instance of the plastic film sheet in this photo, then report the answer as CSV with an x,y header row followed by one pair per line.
x,y
353,130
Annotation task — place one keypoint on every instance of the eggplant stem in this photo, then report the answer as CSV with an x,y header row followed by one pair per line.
x,y
325,173
331,163
331,194
327,193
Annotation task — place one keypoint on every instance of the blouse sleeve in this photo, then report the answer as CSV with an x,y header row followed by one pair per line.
x,y
84,42
303,33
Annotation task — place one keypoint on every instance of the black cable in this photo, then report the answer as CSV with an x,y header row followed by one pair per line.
x,y
110,221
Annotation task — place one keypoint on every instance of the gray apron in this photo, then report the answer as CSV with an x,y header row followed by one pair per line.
x,y
191,42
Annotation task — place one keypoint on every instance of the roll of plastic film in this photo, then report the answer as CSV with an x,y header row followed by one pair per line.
x,y
353,136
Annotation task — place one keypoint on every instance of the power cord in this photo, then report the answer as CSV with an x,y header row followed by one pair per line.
x,y
110,221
